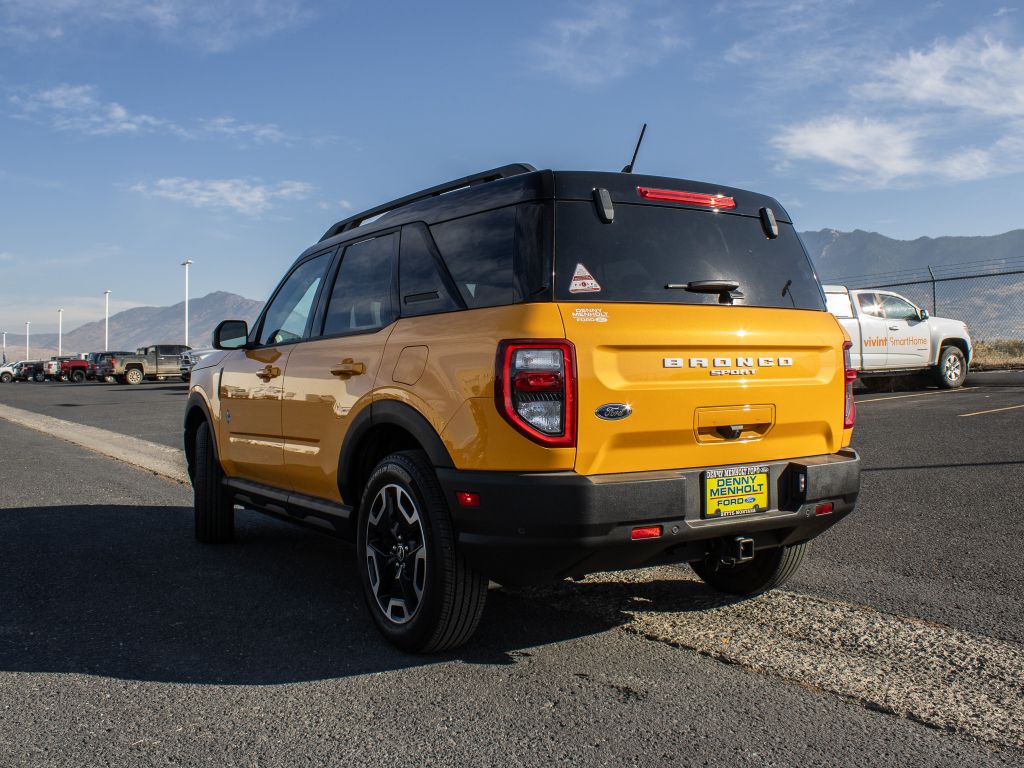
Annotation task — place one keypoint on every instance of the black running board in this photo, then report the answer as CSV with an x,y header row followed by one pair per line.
x,y
313,512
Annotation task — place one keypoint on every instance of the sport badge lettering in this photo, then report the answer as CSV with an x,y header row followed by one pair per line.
x,y
583,281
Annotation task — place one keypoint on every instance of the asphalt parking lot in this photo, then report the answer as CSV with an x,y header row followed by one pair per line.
x,y
900,641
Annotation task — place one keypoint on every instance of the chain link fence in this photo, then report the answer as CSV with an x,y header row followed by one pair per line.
x,y
988,296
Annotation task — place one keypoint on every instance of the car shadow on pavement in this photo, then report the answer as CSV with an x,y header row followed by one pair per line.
x,y
125,592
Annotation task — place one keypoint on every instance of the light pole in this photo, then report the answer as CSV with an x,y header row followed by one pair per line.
x,y
60,331
5,347
28,356
106,320
185,264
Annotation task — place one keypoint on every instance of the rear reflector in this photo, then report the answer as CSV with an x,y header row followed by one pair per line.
x,y
824,508
647,532
693,198
467,499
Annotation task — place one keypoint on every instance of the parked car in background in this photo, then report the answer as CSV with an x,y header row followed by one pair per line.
x,y
30,370
892,336
157,361
190,358
107,361
91,360
73,369
8,371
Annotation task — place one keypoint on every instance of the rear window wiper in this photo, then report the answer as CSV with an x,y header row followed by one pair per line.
x,y
727,290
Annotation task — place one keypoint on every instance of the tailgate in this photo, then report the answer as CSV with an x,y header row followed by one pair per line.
x,y
707,385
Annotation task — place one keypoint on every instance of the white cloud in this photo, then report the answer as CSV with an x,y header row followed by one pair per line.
x,y
974,72
210,25
953,112
7,256
866,150
260,133
80,108
250,197
606,40
77,108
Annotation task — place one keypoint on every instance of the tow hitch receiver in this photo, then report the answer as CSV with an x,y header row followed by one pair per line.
x,y
737,550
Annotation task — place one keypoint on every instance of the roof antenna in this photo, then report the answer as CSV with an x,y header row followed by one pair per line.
x,y
629,168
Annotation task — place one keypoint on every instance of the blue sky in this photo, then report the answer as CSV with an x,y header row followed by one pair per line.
x,y
136,134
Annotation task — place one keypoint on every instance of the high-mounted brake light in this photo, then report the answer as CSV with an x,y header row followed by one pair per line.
x,y
693,198
535,389
850,376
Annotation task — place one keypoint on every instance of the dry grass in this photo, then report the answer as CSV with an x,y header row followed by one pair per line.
x,y
1001,353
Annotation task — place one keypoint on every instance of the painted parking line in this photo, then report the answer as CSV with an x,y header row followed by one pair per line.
x,y
918,394
158,459
993,410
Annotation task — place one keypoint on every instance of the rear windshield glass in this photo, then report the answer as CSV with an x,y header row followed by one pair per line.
x,y
648,247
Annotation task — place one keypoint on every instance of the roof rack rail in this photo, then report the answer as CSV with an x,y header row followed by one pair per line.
x,y
483,177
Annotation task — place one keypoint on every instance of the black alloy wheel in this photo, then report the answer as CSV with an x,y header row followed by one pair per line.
x,y
396,553
422,594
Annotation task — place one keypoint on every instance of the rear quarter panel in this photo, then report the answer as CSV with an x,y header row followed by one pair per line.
x,y
454,390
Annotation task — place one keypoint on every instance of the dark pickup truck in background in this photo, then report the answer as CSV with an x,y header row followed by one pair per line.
x,y
157,361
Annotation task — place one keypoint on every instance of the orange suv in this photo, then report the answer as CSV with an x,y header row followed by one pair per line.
x,y
525,375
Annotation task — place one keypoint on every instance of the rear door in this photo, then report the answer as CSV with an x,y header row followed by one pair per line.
x,y
707,382
251,380
330,377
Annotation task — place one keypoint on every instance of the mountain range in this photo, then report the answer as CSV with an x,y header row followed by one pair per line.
x,y
857,254
142,326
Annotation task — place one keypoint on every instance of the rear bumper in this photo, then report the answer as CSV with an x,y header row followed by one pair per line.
x,y
538,527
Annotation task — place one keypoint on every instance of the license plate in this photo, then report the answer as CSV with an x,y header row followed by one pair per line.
x,y
735,491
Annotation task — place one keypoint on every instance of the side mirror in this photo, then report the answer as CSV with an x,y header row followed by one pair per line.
x,y
922,314
231,334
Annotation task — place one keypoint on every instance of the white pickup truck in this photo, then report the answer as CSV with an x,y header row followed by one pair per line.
x,y
894,337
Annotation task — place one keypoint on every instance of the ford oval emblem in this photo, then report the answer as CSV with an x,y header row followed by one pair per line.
x,y
614,411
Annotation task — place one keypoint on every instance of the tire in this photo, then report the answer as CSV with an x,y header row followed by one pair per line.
x,y
133,376
420,591
952,369
769,569
5,378
78,377
214,508
39,376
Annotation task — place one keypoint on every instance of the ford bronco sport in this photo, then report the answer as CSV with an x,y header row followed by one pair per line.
x,y
526,375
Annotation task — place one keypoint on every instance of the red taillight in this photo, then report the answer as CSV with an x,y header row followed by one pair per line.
x,y
850,376
535,389
467,499
693,198
645,532
825,508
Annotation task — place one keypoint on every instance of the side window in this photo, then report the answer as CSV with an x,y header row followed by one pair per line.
x,y
478,251
839,304
422,290
897,308
869,304
363,295
286,317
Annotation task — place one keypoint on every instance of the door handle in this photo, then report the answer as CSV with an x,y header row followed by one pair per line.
x,y
894,327
268,373
348,367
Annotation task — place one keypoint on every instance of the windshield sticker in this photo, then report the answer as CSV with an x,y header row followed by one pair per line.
x,y
583,281
589,315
